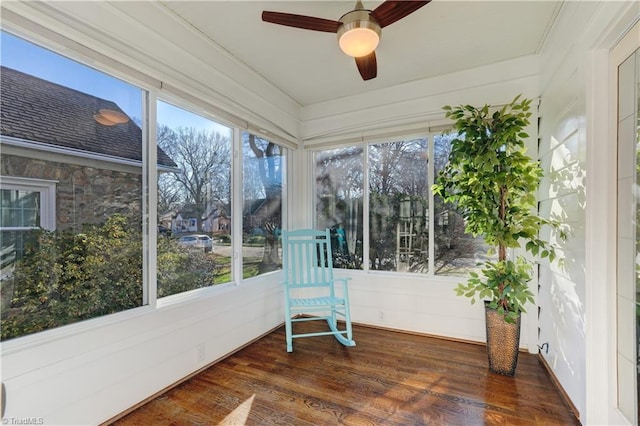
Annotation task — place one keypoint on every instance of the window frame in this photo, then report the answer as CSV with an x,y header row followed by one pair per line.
x,y
430,135
46,189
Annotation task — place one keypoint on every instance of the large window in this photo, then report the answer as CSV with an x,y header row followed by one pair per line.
x,y
194,202
83,231
408,231
71,194
263,169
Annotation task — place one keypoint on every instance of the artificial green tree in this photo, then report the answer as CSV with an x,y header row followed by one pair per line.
x,y
493,183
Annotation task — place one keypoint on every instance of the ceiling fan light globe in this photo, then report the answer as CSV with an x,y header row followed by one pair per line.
x,y
359,33
359,41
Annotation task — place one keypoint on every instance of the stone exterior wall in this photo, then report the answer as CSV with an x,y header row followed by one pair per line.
x,y
84,194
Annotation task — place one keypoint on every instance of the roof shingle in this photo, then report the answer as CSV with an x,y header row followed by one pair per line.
x,y
41,111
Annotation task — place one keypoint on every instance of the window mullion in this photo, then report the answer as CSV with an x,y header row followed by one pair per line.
x,y
150,198
431,177
237,200
365,208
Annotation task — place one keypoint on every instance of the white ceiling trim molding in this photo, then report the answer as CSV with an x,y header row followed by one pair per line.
x,y
418,104
489,74
116,31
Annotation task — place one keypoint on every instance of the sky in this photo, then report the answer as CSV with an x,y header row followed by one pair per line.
x,y
29,58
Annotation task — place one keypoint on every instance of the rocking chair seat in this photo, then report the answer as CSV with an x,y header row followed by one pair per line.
x,y
317,301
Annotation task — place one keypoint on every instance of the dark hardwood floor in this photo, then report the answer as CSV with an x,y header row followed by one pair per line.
x,y
389,378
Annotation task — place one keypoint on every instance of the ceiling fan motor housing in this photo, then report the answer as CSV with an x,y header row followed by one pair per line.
x,y
359,33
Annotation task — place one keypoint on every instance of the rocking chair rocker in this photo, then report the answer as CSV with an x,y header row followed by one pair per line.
x,y
309,286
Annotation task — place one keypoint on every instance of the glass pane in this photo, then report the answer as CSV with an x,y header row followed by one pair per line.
x,y
399,206
19,208
456,252
194,202
89,263
339,202
628,237
263,169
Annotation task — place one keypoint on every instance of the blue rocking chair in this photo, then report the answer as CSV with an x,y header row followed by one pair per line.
x,y
309,286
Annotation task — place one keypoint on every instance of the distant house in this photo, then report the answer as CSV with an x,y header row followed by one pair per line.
x,y
184,222
190,218
216,220
68,158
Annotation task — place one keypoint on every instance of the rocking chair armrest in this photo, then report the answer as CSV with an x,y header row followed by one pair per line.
x,y
343,280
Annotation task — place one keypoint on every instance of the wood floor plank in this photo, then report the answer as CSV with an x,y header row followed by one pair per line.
x,y
389,378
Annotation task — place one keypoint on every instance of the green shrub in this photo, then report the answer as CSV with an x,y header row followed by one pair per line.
x,y
66,277
182,270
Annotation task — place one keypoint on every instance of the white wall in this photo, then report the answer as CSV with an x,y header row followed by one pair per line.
x,y
574,301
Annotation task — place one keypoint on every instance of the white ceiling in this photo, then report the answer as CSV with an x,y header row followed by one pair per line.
x,y
442,37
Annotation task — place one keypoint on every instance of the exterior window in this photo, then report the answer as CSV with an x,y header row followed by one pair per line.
x,y
408,231
263,168
26,206
27,203
339,191
194,202
71,191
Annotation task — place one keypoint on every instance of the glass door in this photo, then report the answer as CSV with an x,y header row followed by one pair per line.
x,y
628,237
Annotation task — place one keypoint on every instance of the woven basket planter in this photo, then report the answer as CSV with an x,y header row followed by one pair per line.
x,y
503,340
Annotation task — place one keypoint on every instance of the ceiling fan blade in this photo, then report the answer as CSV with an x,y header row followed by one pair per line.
x,y
391,11
368,66
301,21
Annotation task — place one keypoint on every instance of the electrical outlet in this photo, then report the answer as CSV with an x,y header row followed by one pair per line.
x,y
199,350
381,316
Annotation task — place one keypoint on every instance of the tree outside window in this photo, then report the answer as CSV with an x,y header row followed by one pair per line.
x,y
194,202
263,176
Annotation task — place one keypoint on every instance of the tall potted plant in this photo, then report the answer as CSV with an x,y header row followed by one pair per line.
x,y
493,183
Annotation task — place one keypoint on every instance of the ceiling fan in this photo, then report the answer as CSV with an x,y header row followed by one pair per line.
x,y
358,31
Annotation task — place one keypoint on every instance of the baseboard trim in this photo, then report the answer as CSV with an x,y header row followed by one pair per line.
x,y
563,394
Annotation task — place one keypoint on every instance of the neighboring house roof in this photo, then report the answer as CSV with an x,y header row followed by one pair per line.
x,y
262,206
37,110
189,210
